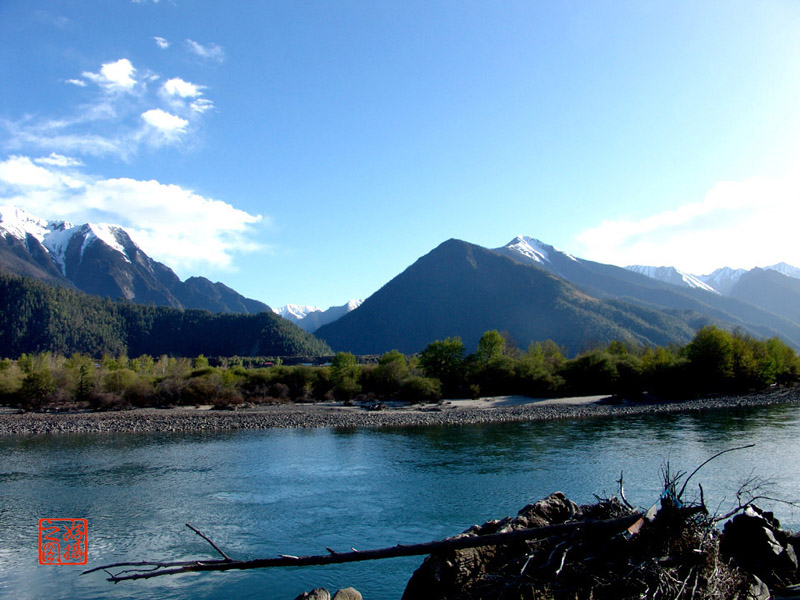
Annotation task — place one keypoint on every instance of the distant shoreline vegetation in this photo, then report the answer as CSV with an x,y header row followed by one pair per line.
x,y
714,362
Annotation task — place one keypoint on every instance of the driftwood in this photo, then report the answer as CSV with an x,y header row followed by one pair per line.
x,y
148,569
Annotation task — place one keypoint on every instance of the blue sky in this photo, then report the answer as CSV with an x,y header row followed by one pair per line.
x,y
308,152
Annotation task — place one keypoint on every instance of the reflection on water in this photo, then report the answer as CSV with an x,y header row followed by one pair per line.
x,y
297,492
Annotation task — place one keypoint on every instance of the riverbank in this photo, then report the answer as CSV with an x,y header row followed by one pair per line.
x,y
453,412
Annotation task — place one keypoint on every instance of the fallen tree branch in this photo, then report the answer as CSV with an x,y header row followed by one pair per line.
x,y
611,526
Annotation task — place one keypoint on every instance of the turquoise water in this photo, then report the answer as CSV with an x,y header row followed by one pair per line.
x,y
264,493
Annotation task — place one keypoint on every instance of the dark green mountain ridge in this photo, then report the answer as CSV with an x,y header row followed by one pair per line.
x,y
37,317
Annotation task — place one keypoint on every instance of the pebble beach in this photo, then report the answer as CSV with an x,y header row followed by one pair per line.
x,y
448,413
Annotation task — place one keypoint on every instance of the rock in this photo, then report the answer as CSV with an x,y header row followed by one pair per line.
x,y
758,590
556,508
756,543
348,593
315,594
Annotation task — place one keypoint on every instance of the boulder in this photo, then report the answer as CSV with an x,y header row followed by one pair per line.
x,y
756,543
348,593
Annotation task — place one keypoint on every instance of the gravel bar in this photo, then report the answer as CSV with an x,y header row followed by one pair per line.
x,y
152,420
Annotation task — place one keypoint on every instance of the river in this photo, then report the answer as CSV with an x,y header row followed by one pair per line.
x,y
270,492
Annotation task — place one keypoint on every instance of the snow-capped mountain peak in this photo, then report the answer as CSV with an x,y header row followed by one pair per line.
x,y
724,279
312,318
57,236
529,247
112,235
19,224
298,311
353,304
785,269
533,250
673,276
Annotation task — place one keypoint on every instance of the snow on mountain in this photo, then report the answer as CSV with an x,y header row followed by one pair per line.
x,y
56,236
723,279
785,269
353,304
532,249
19,224
311,318
296,312
673,276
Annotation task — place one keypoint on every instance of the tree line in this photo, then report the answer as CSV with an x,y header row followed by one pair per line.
x,y
714,362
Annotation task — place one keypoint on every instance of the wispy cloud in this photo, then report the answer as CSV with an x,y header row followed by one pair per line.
x,y
739,224
172,224
208,51
161,42
124,111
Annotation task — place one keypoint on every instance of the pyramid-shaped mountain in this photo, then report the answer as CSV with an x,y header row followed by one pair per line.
x,y
460,289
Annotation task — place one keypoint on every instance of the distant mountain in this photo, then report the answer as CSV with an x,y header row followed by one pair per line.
x,y
673,276
770,290
785,269
609,281
534,291
723,279
311,318
103,260
460,289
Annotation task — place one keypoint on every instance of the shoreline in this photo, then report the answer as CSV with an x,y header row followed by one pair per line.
x,y
506,409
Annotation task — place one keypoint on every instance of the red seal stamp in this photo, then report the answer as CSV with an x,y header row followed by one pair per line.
x,y
63,542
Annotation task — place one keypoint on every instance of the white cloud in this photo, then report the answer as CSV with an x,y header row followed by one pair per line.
x,y
184,89
164,121
117,75
172,224
127,112
209,52
738,224
58,160
161,42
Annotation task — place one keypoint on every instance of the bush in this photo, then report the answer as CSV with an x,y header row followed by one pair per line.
x,y
420,389
140,393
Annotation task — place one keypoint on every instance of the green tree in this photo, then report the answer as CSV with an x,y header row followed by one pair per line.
x,y
344,376
392,369
711,358
37,387
490,347
444,360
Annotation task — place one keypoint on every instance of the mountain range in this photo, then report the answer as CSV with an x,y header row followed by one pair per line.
x,y
311,318
534,291
527,288
103,260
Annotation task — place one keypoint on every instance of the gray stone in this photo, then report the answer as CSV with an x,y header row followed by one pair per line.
x,y
315,594
348,593
758,590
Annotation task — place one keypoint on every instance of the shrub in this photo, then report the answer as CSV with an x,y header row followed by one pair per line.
x,y
420,389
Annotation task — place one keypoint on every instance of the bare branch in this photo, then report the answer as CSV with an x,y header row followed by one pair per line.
x,y
213,545
621,482
705,462
611,526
